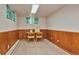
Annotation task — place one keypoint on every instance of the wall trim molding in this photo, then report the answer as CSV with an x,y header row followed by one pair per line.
x,y
12,48
8,30
66,30
16,30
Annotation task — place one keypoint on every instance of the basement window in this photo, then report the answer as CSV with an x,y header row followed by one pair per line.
x,y
10,14
31,20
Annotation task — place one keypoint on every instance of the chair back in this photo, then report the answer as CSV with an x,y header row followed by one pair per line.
x,y
37,30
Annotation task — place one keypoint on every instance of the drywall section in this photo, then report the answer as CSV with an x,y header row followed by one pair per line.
x,y
24,25
66,19
6,24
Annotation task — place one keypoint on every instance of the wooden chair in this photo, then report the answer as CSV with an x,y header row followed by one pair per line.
x,y
39,35
31,35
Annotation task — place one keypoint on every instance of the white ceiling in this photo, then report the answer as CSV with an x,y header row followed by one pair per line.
x,y
44,9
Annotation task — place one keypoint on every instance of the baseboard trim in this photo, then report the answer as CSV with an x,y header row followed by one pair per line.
x,y
12,48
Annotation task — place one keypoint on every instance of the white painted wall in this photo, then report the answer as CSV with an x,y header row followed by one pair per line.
x,y
24,25
66,19
6,24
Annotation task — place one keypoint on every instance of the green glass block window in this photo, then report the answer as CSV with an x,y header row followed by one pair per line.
x,y
13,16
36,21
10,14
30,20
27,19
7,12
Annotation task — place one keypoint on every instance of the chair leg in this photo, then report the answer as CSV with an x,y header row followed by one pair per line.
x,y
28,39
41,39
34,40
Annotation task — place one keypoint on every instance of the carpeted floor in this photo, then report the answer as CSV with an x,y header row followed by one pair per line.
x,y
37,48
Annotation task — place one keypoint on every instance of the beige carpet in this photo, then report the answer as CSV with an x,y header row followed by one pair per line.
x,y
37,48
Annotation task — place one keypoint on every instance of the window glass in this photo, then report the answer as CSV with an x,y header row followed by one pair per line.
x,y
36,21
10,14
30,20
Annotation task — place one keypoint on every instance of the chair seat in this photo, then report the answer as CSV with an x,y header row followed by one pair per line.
x,y
38,36
31,37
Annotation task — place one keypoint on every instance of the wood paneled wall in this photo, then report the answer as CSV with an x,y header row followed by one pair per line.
x,y
44,33
7,39
69,41
23,33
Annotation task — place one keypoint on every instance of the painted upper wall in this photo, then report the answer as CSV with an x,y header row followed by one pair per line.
x,y
23,25
6,24
66,19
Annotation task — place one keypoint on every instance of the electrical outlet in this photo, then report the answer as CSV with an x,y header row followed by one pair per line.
x,y
8,46
57,40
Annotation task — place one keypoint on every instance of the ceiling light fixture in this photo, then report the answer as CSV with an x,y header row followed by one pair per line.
x,y
34,9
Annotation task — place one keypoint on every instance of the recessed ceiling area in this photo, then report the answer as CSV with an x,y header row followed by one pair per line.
x,y
43,10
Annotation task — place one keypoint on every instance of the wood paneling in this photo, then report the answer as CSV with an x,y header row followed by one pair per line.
x,y
44,33
23,33
69,41
3,43
7,39
12,37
